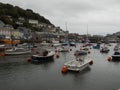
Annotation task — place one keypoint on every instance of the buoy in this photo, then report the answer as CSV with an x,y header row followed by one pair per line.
x,y
89,52
109,59
91,62
57,55
37,52
3,55
64,69
100,51
70,49
29,59
56,51
75,54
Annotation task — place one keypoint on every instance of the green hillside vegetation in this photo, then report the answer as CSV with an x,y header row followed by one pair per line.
x,y
15,12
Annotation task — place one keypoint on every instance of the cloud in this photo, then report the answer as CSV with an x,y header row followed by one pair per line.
x,y
100,15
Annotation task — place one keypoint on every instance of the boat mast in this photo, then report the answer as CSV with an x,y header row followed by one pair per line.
x,y
87,31
66,31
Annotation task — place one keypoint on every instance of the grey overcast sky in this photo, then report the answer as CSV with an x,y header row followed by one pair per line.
x,y
101,16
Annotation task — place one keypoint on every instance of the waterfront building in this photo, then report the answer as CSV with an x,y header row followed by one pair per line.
x,y
26,33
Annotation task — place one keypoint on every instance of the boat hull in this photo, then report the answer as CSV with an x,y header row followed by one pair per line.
x,y
116,57
78,68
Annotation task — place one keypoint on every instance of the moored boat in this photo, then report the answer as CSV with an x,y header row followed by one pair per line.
x,y
72,44
63,49
96,46
116,56
46,57
80,52
2,45
17,51
104,50
78,64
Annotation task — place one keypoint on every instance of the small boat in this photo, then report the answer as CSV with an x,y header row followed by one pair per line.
x,y
78,64
104,50
64,44
72,44
63,49
2,45
46,57
116,48
55,44
17,51
86,49
44,44
116,56
96,46
80,52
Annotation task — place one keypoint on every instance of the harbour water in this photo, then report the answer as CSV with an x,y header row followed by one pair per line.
x,y
17,74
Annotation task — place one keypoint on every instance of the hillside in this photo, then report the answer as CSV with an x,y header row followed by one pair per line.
x,y
15,12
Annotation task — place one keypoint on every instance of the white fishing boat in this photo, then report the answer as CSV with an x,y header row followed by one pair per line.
x,y
2,45
17,51
78,64
63,49
44,43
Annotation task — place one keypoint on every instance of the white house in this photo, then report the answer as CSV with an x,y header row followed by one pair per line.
x,y
33,21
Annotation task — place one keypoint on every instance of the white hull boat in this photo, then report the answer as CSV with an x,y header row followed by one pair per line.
x,y
2,45
78,64
17,51
63,49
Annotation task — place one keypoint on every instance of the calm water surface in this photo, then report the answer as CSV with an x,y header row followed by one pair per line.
x,y
17,74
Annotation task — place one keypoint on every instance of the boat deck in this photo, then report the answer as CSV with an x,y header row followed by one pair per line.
x,y
77,64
